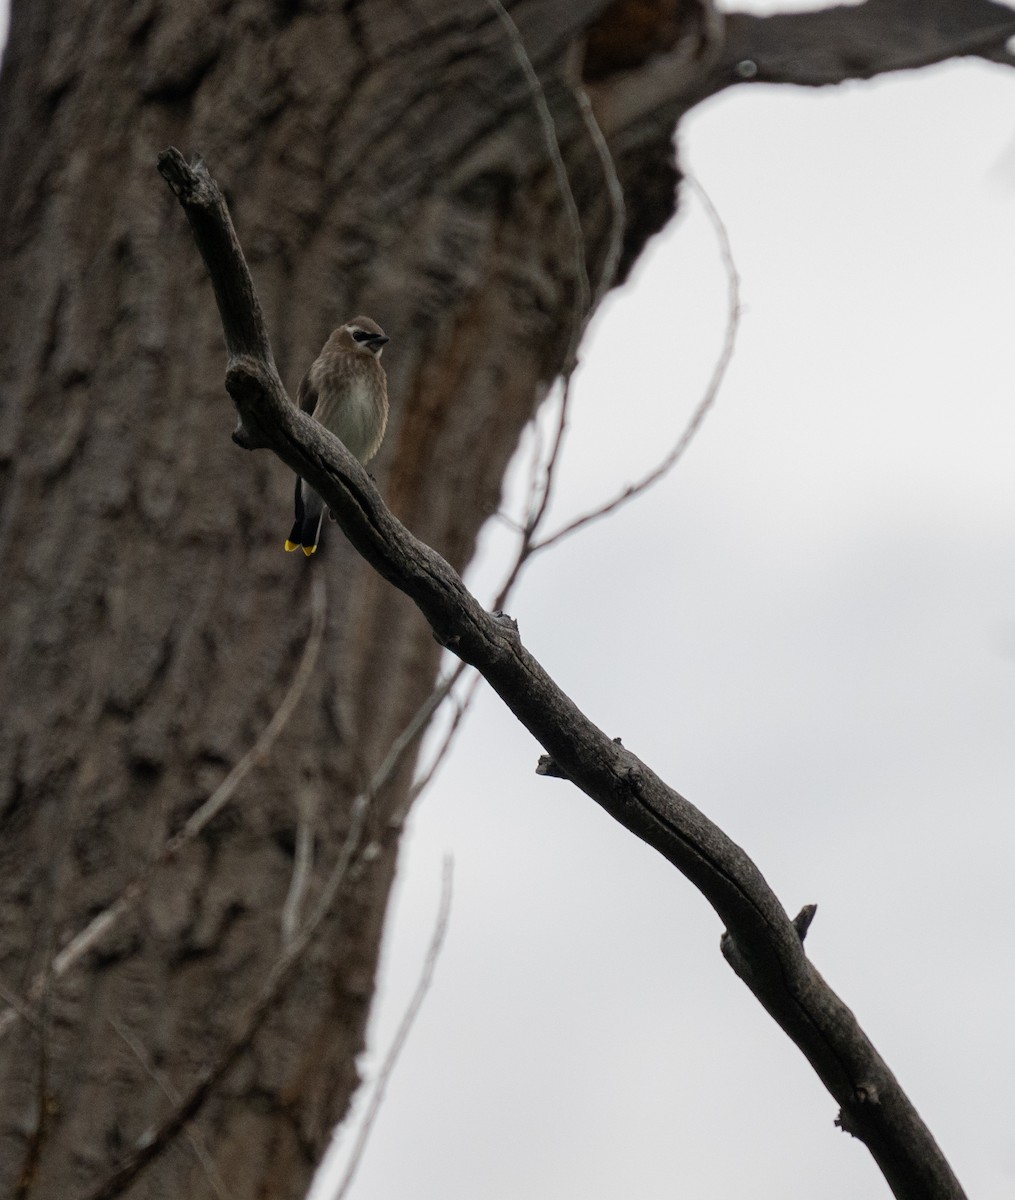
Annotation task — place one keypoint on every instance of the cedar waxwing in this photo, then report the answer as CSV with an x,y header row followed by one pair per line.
x,y
347,391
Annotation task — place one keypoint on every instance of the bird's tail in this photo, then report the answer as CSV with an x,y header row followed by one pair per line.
x,y
306,530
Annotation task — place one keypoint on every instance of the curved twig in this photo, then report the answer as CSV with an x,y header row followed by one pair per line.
x,y
583,301
158,1140
401,1035
704,406
539,501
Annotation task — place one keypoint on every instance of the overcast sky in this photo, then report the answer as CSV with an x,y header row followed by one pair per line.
x,y
809,630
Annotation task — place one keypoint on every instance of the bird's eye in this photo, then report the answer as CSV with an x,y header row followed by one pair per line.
x,y
360,335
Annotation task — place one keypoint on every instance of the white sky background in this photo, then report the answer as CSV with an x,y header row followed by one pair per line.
x,y
809,630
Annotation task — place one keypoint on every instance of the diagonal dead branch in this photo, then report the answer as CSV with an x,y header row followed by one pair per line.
x,y
761,940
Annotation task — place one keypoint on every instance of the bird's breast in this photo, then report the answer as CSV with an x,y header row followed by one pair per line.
x,y
355,409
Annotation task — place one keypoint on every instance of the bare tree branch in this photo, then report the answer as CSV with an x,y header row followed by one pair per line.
x,y
22,1008
583,302
587,302
810,49
158,1140
426,776
401,1035
615,195
761,941
303,865
43,1106
105,921
165,1086
667,464
813,49
530,545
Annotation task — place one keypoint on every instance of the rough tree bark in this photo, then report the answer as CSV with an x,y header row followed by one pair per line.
x,y
381,157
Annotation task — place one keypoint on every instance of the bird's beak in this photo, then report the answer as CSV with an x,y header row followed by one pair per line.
x,y
377,340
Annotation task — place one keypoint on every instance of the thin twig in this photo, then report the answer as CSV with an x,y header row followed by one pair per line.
x,y
20,1005
461,711
588,303
165,1085
537,509
536,471
36,1138
101,924
258,754
402,1034
34,1142
303,864
420,785
611,261
418,723
584,299
615,193
663,468
158,1139
529,544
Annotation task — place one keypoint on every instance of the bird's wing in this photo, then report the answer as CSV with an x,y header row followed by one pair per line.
x,y
306,396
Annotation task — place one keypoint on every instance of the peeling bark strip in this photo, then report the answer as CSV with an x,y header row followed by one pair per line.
x,y
762,944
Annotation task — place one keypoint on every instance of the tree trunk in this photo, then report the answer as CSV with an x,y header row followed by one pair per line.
x,y
381,158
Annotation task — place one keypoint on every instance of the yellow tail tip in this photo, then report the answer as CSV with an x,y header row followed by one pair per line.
x,y
291,546
308,550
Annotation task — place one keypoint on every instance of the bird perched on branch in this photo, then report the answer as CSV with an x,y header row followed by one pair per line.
x,y
347,391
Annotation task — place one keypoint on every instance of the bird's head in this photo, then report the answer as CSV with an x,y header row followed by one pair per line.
x,y
362,336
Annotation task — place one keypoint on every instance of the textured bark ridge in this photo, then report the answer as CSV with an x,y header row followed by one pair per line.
x,y
380,157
